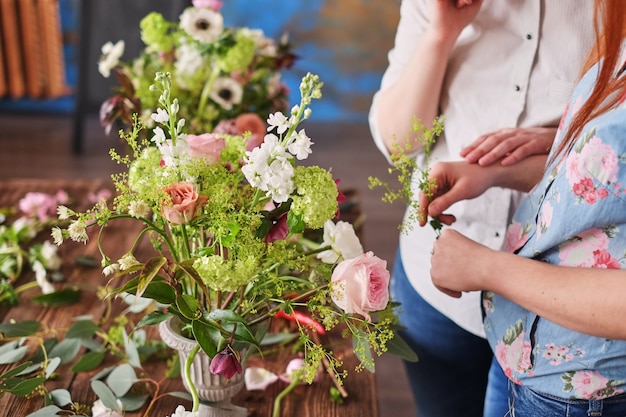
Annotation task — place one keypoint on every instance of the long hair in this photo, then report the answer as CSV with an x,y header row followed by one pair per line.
x,y
610,29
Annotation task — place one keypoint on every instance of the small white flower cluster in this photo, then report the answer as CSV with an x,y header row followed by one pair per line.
x,y
269,167
181,412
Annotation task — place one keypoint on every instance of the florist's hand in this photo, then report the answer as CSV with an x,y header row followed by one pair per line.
x,y
454,181
456,263
449,17
509,145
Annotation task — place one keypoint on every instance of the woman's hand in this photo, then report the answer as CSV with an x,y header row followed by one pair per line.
x,y
509,146
449,17
454,181
458,264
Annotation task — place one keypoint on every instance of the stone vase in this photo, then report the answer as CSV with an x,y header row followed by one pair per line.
x,y
215,391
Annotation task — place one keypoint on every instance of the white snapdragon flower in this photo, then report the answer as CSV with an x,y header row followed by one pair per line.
x,y
40,278
279,121
57,235
111,54
127,261
343,241
111,269
181,412
51,259
138,208
300,145
160,116
78,231
172,153
100,410
269,169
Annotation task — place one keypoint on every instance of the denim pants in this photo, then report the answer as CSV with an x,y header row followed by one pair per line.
x,y
528,403
450,377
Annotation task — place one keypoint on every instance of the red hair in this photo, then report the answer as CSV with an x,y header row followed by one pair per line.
x,y
609,24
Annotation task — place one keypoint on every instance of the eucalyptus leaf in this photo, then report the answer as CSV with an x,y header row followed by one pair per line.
x,y
48,411
23,387
20,329
105,394
82,329
180,394
62,297
89,261
89,361
52,366
61,397
278,338
121,379
103,373
131,351
14,355
15,371
154,317
31,368
9,346
133,402
66,350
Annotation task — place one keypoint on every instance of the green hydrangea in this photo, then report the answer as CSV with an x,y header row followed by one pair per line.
x,y
220,274
154,32
140,173
316,195
240,55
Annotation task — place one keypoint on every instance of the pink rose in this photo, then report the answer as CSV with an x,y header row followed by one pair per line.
x,y
361,284
251,122
208,146
184,203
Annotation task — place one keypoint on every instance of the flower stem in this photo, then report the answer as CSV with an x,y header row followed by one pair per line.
x,y
192,388
292,385
206,90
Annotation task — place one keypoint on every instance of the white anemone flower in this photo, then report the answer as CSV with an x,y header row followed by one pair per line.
x,y
226,92
257,379
343,241
111,54
204,25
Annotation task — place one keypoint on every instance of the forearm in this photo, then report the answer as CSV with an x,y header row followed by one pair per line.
x,y
522,176
587,300
415,93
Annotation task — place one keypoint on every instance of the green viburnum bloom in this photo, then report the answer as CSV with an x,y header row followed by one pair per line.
x,y
141,176
240,55
226,275
316,195
154,32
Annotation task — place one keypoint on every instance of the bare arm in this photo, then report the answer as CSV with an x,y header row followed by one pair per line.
x,y
587,300
509,146
416,92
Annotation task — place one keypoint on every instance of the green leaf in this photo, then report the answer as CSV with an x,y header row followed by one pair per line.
x,y
188,306
20,329
208,337
154,317
160,292
397,346
105,394
89,362
225,315
295,223
52,366
121,379
14,355
131,350
82,329
48,411
62,297
61,397
150,270
15,371
89,261
278,338
133,402
66,350
22,387
362,350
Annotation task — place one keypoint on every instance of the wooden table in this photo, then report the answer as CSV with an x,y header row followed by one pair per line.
x,y
305,401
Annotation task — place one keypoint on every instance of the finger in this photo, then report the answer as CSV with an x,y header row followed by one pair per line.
x,y
488,143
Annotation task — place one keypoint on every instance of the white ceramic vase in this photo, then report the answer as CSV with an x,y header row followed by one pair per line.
x,y
215,391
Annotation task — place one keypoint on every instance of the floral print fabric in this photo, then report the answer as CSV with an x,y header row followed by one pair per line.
x,y
576,216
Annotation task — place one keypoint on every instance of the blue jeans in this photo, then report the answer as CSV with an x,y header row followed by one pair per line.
x,y
528,403
450,377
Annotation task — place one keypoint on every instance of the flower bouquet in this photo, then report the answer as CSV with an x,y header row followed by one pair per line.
x,y
226,79
229,228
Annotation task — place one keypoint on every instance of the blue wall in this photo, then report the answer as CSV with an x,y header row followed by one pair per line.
x,y
344,42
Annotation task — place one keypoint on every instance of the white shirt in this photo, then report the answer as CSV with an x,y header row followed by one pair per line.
x,y
497,77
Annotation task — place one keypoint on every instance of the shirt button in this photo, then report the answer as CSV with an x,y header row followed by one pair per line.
x,y
517,88
529,36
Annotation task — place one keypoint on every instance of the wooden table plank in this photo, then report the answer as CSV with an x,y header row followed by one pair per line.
x,y
304,401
